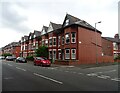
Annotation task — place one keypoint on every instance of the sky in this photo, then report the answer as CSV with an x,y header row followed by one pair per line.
x,y
20,17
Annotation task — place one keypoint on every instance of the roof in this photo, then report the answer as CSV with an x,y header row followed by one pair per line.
x,y
56,26
46,28
112,39
37,33
76,21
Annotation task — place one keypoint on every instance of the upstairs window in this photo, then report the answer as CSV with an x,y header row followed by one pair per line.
x,y
58,41
50,42
73,37
54,41
67,38
67,22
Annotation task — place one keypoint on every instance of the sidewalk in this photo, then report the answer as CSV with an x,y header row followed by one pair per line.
x,y
81,65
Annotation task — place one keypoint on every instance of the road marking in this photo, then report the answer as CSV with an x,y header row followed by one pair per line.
x,y
10,65
21,69
80,73
48,78
74,72
92,74
66,71
67,66
7,78
109,71
103,76
115,79
52,68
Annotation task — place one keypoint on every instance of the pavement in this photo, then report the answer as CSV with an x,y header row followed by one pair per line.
x,y
82,65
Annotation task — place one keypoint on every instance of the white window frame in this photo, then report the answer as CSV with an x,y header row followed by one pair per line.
x,y
73,54
66,38
49,42
54,55
67,54
50,55
67,22
73,37
54,38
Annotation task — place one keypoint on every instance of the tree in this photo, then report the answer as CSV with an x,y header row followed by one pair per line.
x,y
42,51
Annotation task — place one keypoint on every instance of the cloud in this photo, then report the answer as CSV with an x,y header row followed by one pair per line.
x,y
11,17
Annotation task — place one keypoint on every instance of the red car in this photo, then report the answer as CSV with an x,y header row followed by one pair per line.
x,y
41,61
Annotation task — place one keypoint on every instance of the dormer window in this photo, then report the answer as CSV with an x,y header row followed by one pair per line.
x,y
67,22
30,37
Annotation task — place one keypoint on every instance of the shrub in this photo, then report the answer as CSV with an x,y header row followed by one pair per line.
x,y
6,54
30,58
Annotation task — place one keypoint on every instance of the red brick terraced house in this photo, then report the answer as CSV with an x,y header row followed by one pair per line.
x,y
114,47
12,48
24,46
73,42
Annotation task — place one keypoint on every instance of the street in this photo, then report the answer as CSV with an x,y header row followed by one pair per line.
x,y
27,77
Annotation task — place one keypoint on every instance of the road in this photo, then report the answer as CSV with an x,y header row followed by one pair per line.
x,y
27,77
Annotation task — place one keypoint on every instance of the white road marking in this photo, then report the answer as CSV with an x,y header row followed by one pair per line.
x,y
74,72
92,74
66,71
10,65
80,73
21,69
48,78
103,76
115,79
7,78
67,66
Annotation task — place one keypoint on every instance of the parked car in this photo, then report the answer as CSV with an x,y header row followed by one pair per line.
x,y
21,60
2,57
10,58
42,61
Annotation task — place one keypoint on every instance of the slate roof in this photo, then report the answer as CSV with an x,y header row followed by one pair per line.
x,y
77,21
37,33
112,39
26,37
46,28
56,26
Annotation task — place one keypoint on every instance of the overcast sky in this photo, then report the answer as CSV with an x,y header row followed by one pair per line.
x,y
20,17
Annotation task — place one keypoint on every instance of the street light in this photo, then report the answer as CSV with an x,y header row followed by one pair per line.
x,y
96,40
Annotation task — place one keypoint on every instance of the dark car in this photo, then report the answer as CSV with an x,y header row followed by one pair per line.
x,y
21,60
42,61
10,58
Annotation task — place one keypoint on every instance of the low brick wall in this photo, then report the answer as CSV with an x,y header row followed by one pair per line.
x,y
101,59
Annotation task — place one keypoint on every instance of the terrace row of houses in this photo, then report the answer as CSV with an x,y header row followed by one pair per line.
x,y
73,42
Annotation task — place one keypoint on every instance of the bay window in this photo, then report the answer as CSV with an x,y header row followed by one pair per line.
x,y
67,53
67,38
73,53
73,37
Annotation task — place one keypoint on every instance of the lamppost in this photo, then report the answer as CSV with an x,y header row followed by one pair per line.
x,y
96,41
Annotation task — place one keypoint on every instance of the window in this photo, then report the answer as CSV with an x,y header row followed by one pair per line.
x,y
36,45
46,42
59,54
73,37
73,53
54,41
50,42
50,54
67,53
63,40
43,42
67,22
67,38
54,54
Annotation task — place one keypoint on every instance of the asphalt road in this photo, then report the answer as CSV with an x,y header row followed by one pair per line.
x,y
27,77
